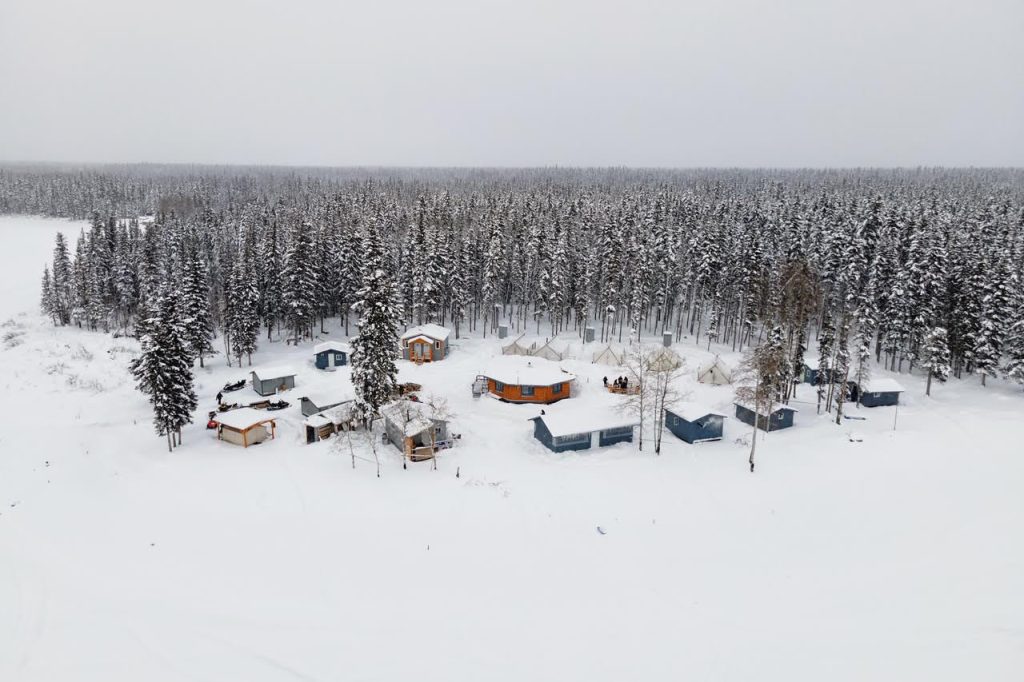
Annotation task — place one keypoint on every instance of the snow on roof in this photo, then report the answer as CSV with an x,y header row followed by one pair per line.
x,y
573,419
775,408
242,418
811,363
274,372
339,346
692,411
522,371
335,415
337,394
413,418
882,385
430,330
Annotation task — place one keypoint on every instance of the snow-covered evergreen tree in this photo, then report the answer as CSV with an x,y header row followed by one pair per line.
x,y
934,356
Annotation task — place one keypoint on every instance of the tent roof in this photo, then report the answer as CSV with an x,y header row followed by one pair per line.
x,y
242,418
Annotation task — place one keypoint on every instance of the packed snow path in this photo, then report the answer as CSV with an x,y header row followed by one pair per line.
x,y
894,558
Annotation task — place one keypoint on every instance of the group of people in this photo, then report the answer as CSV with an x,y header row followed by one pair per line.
x,y
620,383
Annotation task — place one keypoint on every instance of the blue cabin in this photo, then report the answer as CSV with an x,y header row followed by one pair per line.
x,y
331,354
575,429
693,423
780,418
811,371
877,392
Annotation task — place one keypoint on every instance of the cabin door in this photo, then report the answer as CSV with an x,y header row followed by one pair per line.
x,y
595,439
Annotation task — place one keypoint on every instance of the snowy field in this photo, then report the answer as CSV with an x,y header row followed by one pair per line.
x,y
900,557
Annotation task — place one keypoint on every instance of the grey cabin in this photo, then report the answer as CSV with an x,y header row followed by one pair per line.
x,y
331,354
310,405
271,380
780,418
412,428
693,423
576,429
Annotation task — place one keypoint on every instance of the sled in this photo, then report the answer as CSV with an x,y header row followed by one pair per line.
x,y
237,386
277,405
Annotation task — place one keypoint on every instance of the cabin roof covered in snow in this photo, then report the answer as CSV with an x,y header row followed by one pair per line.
x,y
264,373
242,418
430,330
340,346
337,394
574,419
882,385
811,363
523,371
692,411
412,417
775,407
334,415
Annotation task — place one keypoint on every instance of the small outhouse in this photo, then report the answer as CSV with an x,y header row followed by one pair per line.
x,y
330,354
271,380
694,423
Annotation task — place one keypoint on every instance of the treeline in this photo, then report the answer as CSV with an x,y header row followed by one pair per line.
x,y
893,267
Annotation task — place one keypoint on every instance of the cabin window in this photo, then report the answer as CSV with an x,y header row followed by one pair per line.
x,y
617,431
339,357
557,388
499,387
437,345
572,438
527,390
405,343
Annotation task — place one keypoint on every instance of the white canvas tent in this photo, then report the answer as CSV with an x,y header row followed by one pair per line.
x,y
608,356
716,373
552,351
519,347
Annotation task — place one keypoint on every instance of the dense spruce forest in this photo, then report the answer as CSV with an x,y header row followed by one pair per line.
x,y
919,270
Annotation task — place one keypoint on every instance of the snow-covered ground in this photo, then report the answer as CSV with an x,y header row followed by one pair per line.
x,y
896,558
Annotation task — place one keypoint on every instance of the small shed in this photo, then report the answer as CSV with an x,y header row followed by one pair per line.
x,y
244,426
271,380
694,423
552,350
608,356
331,354
519,346
716,373
412,428
338,418
517,380
781,417
582,429
425,343
879,392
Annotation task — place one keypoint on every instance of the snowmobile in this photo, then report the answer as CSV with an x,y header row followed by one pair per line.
x,y
237,386
224,407
210,423
277,405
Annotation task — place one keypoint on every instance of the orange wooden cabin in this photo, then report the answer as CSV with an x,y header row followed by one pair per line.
x,y
425,343
534,381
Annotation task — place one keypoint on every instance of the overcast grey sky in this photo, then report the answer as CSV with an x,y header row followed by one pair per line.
x,y
514,83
